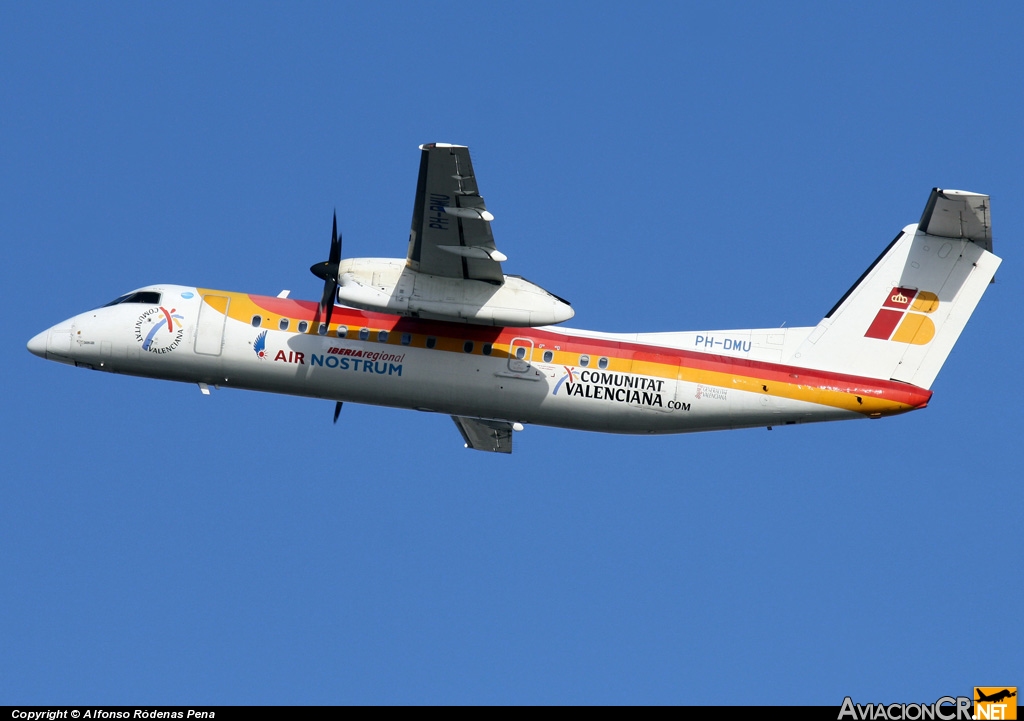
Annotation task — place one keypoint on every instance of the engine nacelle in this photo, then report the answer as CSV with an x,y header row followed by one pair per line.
x,y
388,286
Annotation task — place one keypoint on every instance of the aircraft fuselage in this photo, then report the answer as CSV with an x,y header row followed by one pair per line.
x,y
659,383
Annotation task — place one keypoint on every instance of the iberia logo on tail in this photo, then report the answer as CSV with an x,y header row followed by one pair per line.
x,y
903,318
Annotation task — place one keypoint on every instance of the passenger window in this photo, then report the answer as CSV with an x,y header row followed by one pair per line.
x,y
322,330
382,336
364,333
342,331
603,363
467,347
283,324
548,355
431,341
303,326
256,321
521,352
487,349
406,338
584,360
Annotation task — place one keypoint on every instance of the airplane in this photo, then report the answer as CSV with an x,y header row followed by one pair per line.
x,y
995,697
445,330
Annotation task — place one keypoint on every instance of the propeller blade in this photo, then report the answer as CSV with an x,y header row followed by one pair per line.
x,y
337,411
327,301
335,256
328,272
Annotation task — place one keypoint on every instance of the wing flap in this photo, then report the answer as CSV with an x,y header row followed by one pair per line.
x,y
485,435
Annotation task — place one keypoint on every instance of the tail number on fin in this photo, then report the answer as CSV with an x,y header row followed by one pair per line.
x,y
904,312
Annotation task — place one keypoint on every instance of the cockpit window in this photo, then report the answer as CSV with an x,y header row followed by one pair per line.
x,y
149,297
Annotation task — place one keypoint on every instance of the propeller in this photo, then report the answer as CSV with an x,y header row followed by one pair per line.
x,y
328,272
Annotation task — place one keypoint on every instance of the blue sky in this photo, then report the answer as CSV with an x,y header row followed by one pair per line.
x,y
663,167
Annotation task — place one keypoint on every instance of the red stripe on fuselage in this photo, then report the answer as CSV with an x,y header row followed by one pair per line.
x,y
760,370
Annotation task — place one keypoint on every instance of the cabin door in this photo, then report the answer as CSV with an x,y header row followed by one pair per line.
x,y
520,353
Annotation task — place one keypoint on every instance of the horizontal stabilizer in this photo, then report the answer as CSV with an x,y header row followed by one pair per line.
x,y
958,214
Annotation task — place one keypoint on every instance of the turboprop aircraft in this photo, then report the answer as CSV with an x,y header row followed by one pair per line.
x,y
445,330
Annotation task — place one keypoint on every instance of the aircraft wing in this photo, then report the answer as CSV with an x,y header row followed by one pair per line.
x,y
484,435
451,228
958,214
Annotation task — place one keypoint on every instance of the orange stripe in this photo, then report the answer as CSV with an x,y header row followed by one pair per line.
x,y
861,395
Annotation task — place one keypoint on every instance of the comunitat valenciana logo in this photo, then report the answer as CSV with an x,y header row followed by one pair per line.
x,y
158,330
989,702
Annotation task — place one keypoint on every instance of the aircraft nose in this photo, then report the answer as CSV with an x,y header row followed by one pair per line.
x,y
37,346
54,343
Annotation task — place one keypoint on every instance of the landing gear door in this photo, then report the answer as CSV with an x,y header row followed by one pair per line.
x,y
520,353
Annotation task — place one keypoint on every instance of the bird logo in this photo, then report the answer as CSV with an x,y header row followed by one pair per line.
x,y
259,346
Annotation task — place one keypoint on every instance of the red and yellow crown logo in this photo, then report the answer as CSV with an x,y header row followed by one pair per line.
x,y
903,317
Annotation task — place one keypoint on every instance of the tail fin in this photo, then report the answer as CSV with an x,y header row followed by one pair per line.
x,y
901,318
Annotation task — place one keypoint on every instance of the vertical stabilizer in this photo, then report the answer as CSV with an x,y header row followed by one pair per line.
x,y
902,318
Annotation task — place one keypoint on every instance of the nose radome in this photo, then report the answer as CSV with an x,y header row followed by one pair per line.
x,y
37,346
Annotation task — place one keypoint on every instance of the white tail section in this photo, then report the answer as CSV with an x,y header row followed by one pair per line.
x,y
902,318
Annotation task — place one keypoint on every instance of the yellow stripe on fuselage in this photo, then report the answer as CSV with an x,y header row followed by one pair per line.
x,y
243,308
